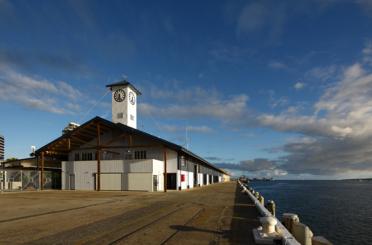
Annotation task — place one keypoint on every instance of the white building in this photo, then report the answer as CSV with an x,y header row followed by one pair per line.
x,y
105,155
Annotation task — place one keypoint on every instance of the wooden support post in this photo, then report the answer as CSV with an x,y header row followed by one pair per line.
x,y
69,144
98,157
165,169
42,172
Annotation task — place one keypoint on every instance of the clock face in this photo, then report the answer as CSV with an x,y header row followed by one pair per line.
x,y
132,98
119,95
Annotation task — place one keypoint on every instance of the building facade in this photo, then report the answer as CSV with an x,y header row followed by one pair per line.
x,y
114,155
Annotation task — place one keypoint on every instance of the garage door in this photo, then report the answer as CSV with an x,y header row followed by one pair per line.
x,y
111,181
138,181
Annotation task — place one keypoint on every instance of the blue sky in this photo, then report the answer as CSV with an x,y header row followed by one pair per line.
x,y
264,88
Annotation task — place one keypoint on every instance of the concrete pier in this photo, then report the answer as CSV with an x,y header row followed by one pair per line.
x,y
218,213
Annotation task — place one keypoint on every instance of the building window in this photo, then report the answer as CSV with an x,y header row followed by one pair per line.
x,y
120,115
77,156
183,162
140,155
86,156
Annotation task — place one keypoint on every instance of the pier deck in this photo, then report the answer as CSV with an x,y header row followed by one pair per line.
x,y
216,214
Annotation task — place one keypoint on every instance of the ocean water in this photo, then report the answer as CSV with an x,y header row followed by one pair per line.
x,y
341,211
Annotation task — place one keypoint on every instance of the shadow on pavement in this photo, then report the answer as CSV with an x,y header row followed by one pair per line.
x,y
245,218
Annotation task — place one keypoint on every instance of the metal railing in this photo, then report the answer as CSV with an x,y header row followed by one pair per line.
x,y
288,238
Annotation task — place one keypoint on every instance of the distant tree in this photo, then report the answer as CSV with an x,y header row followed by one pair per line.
x,y
11,159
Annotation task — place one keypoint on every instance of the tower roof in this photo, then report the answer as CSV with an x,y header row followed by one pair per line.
x,y
124,83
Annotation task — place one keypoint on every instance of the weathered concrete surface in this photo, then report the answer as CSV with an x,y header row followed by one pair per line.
x,y
216,214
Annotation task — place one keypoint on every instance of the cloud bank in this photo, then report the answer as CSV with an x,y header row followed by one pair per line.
x,y
336,138
257,167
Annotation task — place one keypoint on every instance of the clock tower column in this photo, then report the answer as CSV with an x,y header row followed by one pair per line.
x,y
124,103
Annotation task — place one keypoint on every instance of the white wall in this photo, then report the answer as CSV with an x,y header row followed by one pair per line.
x,y
200,179
63,176
191,180
84,171
158,169
183,184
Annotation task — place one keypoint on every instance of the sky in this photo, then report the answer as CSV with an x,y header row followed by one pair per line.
x,y
277,89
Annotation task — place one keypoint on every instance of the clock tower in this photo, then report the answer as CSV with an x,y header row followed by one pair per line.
x,y
124,103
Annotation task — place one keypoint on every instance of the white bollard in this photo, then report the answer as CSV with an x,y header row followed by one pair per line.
x,y
257,194
268,224
319,240
302,233
289,219
261,199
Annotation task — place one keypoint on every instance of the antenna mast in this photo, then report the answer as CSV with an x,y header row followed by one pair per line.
x,y
186,137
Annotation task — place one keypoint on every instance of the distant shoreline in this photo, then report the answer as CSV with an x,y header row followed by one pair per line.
x,y
357,179
361,179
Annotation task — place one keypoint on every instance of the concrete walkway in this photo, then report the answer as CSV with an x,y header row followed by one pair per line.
x,y
216,214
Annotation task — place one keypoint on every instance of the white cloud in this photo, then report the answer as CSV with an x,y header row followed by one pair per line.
x,y
353,71
21,81
341,131
270,17
195,102
37,93
252,17
367,50
199,129
277,65
367,53
69,91
275,101
299,85
323,73
191,128
259,167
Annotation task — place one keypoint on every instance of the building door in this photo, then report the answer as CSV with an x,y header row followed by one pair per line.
x,y
204,179
172,181
72,181
111,181
195,175
155,182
